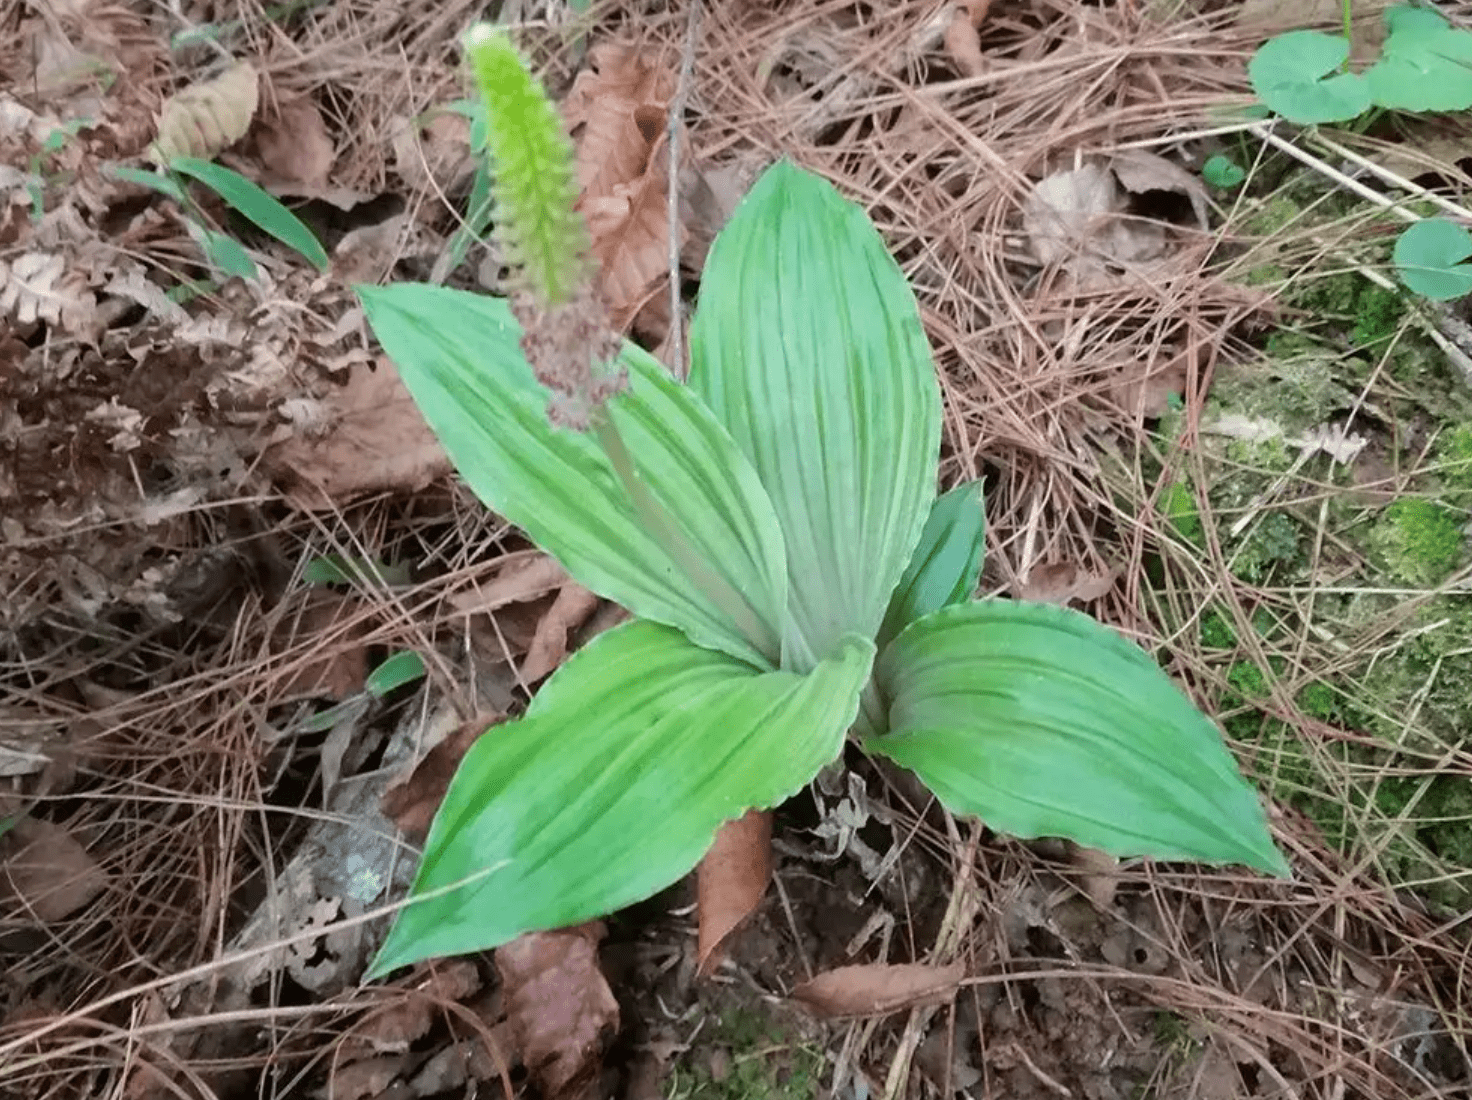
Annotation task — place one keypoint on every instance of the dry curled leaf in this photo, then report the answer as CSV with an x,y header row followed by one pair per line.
x,y
378,441
731,882
571,609
204,118
36,287
520,580
617,113
616,110
294,144
45,874
412,801
559,1006
877,989
1065,582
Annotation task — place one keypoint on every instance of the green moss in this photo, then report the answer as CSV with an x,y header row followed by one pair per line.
x,y
1272,542
1179,505
763,1064
1454,457
1217,631
1319,700
1249,680
1419,542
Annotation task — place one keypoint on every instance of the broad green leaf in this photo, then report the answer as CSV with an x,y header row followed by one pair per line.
x,y
1426,65
1292,75
459,356
255,205
807,345
614,783
1042,722
395,671
1431,255
946,564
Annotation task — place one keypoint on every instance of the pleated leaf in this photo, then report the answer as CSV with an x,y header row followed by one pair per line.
x,y
1042,722
613,785
807,345
459,356
946,564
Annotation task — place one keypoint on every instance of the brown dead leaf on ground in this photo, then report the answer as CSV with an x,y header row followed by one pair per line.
x,y
1145,391
962,39
559,1006
526,578
616,111
411,801
1082,218
878,989
572,608
379,441
392,1029
338,666
731,882
1064,583
45,874
294,145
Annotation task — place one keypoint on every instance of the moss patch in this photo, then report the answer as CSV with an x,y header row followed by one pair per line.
x,y
1419,542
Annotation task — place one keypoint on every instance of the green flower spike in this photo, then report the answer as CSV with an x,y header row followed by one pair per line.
x,y
566,335
535,179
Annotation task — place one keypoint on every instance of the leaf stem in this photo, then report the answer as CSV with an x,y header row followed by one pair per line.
x,y
663,527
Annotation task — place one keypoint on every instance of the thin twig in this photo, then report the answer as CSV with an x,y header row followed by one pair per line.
x,y
672,206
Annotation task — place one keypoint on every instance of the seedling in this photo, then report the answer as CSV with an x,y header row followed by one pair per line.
x,y
1223,172
240,194
394,672
1426,65
774,527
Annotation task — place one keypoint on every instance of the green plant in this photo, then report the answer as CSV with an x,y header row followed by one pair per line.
x,y
395,671
1222,171
774,527
240,194
1430,256
1425,65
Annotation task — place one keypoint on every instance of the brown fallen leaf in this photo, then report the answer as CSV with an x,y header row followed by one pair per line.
x,y
294,145
411,802
963,43
45,874
731,882
1082,218
1145,390
366,1078
529,577
338,666
616,110
571,609
407,1018
630,232
1065,582
559,1006
877,989
378,441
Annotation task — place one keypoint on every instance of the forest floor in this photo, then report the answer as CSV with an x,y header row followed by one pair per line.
x,y
1204,412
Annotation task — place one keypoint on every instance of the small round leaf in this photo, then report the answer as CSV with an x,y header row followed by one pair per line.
x,y
1223,172
1430,255
1292,74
